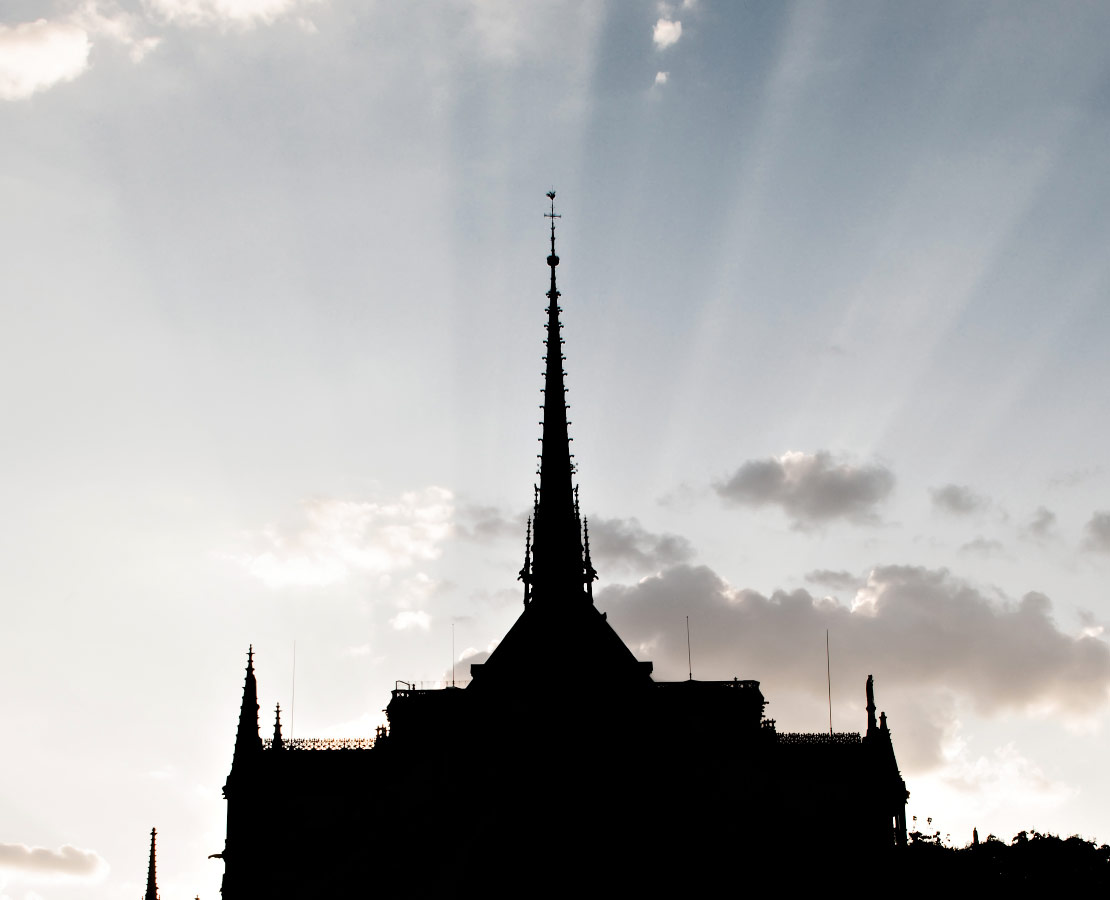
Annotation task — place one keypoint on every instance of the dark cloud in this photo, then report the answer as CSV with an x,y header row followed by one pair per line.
x,y
958,500
1042,526
811,488
623,544
834,580
923,633
1098,533
66,862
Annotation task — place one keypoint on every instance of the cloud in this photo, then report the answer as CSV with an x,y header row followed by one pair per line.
x,y
1042,526
810,487
342,538
665,33
67,862
240,13
411,618
1098,533
982,546
624,545
924,633
487,523
837,581
37,55
109,21
661,77
958,500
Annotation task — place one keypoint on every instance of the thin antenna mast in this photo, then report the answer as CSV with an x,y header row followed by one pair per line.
x,y
293,699
828,678
689,657
452,654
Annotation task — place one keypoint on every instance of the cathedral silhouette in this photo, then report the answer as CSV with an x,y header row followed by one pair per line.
x,y
598,779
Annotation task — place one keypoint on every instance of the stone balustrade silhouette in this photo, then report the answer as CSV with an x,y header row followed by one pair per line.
x,y
819,737
322,744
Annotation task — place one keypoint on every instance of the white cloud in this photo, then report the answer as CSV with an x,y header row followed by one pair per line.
x,y
35,56
242,13
661,77
411,618
666,33
810,487
109,21
342,538
67,862
40,54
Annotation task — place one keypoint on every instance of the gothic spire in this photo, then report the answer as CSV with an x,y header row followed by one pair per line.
x,y
557,545
247,739
277,743
151,877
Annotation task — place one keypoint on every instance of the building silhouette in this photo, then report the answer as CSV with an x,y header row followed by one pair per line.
x,y
531,785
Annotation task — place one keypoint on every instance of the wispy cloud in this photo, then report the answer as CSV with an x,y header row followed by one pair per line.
x,y
341,538
958,500
838,580
1042,525
241,13
982,546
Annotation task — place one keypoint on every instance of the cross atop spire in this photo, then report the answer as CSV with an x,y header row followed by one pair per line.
x,y
151,877
552,260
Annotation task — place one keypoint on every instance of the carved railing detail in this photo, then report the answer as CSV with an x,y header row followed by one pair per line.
x,y
322,744
820,737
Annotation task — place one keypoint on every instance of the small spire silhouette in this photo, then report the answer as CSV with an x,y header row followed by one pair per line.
x,y
591,572
278,743
526,570
151,876
247,740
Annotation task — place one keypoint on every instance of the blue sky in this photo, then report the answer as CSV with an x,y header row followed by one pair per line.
x,y
835,291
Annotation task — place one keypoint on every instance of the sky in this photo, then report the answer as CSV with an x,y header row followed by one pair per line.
x,y
835,291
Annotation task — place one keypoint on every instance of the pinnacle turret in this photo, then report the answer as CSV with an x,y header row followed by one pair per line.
x,y
247,739
277,743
